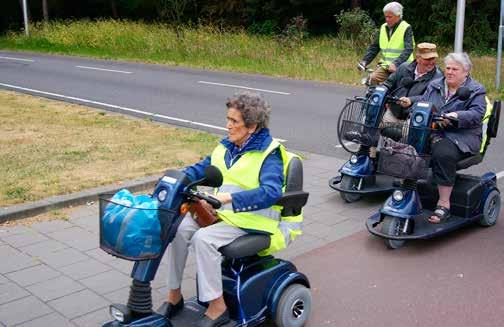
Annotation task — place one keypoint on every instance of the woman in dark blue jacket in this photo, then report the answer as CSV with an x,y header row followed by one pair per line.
x,y
455,142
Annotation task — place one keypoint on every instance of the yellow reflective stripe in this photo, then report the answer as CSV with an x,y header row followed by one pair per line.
x,y
266,212
484,123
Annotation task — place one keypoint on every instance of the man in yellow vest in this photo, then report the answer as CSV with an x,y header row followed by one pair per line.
x,y
253,166
395,41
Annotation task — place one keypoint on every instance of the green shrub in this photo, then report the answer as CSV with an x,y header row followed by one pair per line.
x,y
356,25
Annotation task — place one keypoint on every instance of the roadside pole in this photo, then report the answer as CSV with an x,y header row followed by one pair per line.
x,y
459,26
499,48
25,16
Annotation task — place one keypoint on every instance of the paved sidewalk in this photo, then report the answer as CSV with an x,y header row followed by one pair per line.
x,y
54,274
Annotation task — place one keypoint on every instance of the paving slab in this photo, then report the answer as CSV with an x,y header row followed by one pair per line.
x,y
62,258
10,292
55,288
13,260
43,248
50,320
78,304
84,269
25,239
51,226
106,282
33,275
22,310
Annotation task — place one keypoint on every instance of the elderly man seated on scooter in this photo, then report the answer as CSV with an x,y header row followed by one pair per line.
x,y
410,81
251,163
462,133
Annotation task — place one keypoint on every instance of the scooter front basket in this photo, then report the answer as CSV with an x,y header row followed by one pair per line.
x,y
130,231
357,125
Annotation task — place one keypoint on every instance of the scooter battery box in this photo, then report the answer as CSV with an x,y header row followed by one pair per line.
x,y
465,198
466,195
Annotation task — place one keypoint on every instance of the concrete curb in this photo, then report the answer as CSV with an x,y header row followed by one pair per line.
x,y
74,199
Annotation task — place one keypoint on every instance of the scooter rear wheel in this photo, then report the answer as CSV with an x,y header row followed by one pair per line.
x,y
491,209
294,306
349,183
392,226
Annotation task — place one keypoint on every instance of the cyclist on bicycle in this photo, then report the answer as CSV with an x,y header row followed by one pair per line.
x,y
394,40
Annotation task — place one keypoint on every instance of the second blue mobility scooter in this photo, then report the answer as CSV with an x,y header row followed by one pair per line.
x,y
403,216
256,288
359,127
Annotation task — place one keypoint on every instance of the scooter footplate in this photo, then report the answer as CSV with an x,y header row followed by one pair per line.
x,y
423,229
192,312
383,184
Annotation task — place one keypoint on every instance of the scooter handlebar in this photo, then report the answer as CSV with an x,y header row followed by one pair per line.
x,y
216,204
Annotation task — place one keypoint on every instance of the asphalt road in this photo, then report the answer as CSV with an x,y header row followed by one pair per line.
x,y
304,112
453,280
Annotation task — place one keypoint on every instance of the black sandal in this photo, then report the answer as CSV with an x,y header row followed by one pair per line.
x,y
442,213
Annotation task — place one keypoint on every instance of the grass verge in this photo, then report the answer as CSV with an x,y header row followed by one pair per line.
x,y
318,58
49,148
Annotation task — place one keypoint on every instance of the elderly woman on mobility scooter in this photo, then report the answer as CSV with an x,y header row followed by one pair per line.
x,y
462,135
252,164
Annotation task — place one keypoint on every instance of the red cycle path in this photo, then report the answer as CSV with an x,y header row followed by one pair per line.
x,y
454,280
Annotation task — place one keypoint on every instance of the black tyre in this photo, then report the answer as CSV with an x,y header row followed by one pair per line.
x,y
294,306
392,226
491,209
349,183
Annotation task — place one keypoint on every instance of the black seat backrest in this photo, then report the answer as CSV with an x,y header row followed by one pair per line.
x,y
293,183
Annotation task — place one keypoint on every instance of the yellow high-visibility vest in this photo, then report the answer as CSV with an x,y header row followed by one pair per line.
x,y
484,123
392,48
244,175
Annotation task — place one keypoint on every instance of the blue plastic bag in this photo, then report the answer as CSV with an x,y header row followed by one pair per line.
x,y
130,226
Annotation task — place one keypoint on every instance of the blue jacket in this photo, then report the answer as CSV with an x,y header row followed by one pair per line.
x,y
470,112
270,178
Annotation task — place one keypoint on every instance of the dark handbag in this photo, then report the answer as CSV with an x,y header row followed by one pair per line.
x,y
203,213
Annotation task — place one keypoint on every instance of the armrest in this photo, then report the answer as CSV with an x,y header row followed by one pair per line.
x,y
295,199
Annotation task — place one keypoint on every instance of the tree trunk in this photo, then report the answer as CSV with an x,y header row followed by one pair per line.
x,y
113,6
45,10
356,4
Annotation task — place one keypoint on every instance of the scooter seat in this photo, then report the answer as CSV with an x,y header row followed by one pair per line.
x,y
246,246
470,161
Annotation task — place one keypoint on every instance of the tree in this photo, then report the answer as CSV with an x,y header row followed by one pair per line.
x,y
45,10
174,10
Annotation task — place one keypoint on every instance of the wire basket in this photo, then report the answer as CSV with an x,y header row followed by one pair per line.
x,y
355,126
403,151
129,232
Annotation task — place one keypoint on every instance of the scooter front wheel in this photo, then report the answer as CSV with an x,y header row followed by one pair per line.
x,y
392,226
349,183
294,306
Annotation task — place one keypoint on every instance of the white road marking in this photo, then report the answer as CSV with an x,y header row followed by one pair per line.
x,y
340,146
105,70
19,59
244,87
499,174
146,113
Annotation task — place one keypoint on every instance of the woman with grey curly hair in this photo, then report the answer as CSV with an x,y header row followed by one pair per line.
x,y
252,165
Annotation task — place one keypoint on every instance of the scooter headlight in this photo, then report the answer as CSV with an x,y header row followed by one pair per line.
x,y
116,314
398,195
162,195
353,159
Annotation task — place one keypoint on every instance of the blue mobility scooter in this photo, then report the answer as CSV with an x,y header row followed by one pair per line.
x,y
403,216
255,288
359,131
